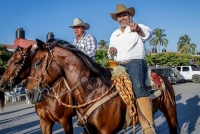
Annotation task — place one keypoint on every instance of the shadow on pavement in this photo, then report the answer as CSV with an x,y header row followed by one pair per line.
x,y
188,113
1,114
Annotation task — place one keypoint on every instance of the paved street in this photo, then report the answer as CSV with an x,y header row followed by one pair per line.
x,y
20,118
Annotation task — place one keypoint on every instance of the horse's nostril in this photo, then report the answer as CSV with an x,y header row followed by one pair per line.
x,y
29,95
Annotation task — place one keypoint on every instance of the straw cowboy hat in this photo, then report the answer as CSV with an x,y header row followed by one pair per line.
x,y
79,22
121,8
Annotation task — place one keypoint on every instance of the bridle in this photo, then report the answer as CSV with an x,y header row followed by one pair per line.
x,y
41,80
18,69
45,67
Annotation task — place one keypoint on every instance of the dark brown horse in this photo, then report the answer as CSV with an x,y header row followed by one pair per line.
x,y
48,110
87,81
20,61
18,68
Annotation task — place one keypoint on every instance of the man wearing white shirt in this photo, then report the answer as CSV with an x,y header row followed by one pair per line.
x,y
127,45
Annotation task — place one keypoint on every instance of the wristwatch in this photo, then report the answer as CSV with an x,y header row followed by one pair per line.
x,y
139,30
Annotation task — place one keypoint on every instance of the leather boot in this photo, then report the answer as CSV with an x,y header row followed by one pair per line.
x,y
143,122
146,115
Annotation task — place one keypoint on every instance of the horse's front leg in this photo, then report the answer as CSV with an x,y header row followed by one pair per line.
x,y
67,124
46,126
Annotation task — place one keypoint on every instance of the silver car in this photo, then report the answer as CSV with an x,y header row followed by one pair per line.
x,y
179,77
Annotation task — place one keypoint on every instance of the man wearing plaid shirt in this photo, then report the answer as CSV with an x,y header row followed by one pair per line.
x,y
83,41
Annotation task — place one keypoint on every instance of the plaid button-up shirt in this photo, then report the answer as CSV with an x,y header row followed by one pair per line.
x,y
87,44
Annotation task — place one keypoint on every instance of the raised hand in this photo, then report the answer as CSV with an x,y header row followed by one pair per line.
x,y
133,26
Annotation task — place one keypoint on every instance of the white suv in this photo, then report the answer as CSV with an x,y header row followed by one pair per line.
x,y
190,73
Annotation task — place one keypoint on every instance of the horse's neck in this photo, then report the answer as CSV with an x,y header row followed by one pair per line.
x,y
75,73
88,91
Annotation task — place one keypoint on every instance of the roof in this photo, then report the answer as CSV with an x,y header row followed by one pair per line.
x,y
20,42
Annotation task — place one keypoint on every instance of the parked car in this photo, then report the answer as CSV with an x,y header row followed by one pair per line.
x,y
190,73
177,74
168,73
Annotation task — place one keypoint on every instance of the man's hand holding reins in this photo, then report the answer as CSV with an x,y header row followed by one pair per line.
x,y
112,51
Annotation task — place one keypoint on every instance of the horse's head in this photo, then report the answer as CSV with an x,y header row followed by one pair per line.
x,y
17,70
45,70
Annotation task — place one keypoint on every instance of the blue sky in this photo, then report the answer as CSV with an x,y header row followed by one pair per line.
x,y
38,17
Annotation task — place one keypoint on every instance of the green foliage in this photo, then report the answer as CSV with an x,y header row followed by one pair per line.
x,y
103,45
163,59
158,39
184,45
102,57
171,59
4,57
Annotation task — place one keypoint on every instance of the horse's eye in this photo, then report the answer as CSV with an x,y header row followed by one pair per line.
x,y
37,63
18,62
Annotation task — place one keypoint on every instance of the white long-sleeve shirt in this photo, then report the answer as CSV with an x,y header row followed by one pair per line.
x,y
130,45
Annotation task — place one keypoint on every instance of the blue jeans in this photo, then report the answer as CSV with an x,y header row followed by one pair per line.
x,y
137,70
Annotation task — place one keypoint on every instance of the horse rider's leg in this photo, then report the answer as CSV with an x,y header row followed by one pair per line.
x,y
137,70
145,109
46,126
144,123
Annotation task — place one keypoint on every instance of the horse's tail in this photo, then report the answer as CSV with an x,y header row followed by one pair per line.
x,y
2,99
171,94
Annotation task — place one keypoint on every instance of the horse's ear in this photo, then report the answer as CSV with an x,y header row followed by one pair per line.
x,y
41,45
29,48
17,47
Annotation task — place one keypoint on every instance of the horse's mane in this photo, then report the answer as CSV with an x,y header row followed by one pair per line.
x,y
96,70
17,49
32,52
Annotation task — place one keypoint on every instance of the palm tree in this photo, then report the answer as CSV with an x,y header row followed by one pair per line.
x,y
103,44
184,45
158,38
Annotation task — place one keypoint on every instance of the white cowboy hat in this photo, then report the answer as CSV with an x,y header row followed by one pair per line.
x,y
79,22
121,8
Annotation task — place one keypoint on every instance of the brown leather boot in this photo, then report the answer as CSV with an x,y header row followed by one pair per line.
x,y
145,113
143,122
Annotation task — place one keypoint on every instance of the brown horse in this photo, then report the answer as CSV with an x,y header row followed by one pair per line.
x,y
18,69
20,61
87,81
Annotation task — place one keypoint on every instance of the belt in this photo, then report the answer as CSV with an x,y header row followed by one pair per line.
x,y
125,62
